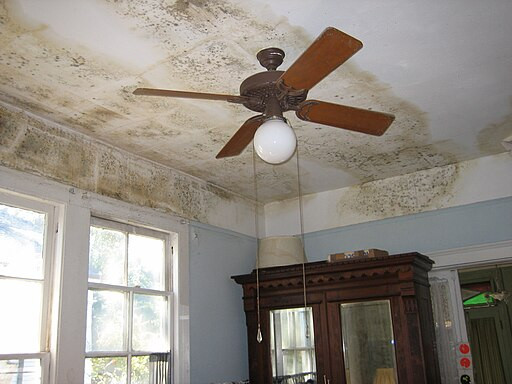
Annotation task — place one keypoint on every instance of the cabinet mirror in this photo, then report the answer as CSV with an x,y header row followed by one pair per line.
x,y
292,346
368,343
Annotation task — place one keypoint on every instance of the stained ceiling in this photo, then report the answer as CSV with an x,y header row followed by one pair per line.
x,y
444,69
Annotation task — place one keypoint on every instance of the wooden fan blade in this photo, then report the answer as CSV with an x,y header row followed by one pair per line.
x,y
241,138
342,116
190,95
331,49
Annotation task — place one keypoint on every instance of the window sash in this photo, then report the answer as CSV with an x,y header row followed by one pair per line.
x,y
43,356
128,318
134,229
124,288
130,291
128,228
50,230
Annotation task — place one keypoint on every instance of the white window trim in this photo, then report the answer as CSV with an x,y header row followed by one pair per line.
x,y
449,262
131,290
472,256
178,235
38,205
74,209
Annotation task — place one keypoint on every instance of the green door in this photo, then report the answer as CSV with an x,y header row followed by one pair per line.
x,y
490,338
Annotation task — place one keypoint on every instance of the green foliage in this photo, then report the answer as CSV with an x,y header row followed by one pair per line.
x,y
113,370
108,370
140,370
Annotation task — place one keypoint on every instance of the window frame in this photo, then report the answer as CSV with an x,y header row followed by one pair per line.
x,y
130,291
48,255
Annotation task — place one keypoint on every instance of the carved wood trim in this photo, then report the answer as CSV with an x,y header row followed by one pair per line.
x,y
402,279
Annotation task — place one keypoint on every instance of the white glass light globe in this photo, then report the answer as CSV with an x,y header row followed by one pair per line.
x,y
275,141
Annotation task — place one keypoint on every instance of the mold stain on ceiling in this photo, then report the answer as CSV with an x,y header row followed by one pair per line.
x,y
397,196
77,63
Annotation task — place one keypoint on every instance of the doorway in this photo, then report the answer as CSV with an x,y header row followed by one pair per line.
x,y
488,312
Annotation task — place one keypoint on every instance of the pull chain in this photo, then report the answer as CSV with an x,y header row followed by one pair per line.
x,y
301,218
259,337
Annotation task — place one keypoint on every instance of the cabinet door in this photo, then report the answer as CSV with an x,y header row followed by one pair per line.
x,y
362,343
298,346
292,345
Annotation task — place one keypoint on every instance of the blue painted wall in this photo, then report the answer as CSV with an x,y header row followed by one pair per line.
x,y
218,345
218,334
463,226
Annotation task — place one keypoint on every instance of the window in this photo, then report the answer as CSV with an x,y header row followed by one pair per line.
x,y
129,303
26,240
477,294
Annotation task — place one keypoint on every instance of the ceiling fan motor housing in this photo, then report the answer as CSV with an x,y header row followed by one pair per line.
x,y
262,86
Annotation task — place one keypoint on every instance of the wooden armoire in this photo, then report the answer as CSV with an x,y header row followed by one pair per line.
x,y
371,321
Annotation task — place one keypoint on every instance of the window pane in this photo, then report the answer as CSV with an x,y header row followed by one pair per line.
x,y
105,321
26,371
140,370
20,319
146,262
21,242
107,250
150,323
105,370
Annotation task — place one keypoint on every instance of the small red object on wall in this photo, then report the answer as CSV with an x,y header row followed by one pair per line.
x,y
464,348
465,362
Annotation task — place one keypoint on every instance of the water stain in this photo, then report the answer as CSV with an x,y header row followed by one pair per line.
x,y
188,198
55,157
220,192
104,114
111,175
208,47
490,138
10,123
401,195
37,146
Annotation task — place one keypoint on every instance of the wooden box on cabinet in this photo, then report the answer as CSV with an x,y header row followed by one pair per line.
x,y
399,279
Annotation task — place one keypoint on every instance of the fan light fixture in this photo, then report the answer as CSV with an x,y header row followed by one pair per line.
x,y
275,141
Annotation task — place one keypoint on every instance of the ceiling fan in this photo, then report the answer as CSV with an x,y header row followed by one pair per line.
x,y
273,92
